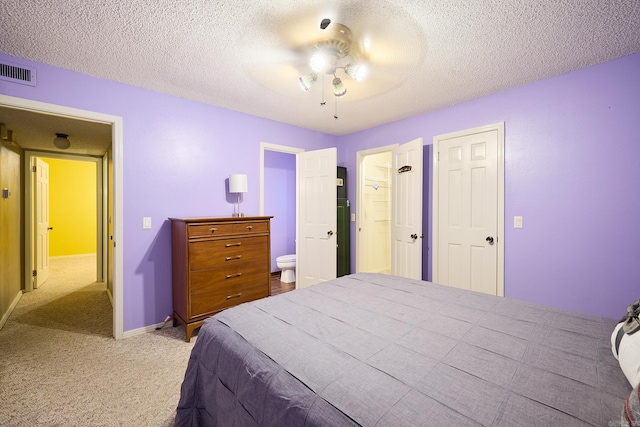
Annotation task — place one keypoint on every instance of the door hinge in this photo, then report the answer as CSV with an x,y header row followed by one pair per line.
x,y
438,156
33,168
34,273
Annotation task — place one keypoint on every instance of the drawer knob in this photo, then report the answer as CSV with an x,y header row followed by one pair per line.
x,y
229,276
234,295
228,245
213,229
249,227
229,258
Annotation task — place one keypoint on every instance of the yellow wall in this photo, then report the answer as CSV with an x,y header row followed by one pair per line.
x,y
10,229
72,207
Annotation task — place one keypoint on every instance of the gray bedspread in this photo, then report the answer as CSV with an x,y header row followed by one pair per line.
x,y
377,350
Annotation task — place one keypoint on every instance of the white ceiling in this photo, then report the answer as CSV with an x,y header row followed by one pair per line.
x,y
247,55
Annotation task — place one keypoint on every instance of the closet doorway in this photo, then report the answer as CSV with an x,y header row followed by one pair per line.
x,y
374,210
374,191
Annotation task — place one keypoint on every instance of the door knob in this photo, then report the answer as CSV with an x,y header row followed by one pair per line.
x,y
489,240
329,233
414,236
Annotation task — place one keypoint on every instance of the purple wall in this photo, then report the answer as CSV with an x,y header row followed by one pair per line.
x,y
572,162
177,156
572,170
280,201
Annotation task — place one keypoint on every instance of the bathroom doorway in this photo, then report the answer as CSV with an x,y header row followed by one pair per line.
x,y
278,182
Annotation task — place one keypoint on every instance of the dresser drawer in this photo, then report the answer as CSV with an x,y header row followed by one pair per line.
x,y
226,228
219,288
210,302
246,273
228,252
210,229
251,227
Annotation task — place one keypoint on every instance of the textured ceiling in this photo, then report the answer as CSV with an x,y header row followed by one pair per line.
x,y
247,55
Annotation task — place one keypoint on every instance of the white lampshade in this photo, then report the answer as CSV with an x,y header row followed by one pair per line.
x,y
237,183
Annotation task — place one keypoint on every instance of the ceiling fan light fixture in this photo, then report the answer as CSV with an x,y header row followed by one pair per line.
x,y
307,80
356,71
61,141
318,62
339,89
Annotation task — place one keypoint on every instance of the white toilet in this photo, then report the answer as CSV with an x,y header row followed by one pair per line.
x,y
287,263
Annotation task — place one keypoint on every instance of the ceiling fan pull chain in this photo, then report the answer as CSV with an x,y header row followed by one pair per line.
x,y
322,101
335,116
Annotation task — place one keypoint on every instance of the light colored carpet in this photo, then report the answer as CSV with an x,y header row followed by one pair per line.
x,y
60,366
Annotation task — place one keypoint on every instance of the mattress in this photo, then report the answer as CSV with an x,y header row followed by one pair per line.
x,y
379,350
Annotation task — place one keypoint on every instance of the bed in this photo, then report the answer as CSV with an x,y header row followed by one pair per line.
x,y
379,350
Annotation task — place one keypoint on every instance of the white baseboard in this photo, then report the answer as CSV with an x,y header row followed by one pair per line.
x,y
143,330
10,310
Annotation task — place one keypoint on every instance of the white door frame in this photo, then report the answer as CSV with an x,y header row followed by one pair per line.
x,y
360,179
499,127
117,147
101,237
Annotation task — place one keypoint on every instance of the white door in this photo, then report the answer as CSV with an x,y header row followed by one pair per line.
x,y
467,207
406,216
41,196
317,206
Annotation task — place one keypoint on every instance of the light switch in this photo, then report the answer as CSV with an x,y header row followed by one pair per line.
x,y
146,222
517,222
353,217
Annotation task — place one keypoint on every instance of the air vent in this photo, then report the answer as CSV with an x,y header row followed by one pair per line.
x,y
17,73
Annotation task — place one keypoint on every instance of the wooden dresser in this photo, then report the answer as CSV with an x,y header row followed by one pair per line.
x,y
218,263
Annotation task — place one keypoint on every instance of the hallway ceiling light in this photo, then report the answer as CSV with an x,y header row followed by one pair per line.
x,y
61,141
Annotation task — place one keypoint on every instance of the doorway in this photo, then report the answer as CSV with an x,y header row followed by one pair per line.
x,y
116,189
73,212
374,211
390,210
280,201
278,175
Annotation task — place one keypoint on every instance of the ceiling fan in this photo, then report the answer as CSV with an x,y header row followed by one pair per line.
x,y
371,54
335,51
